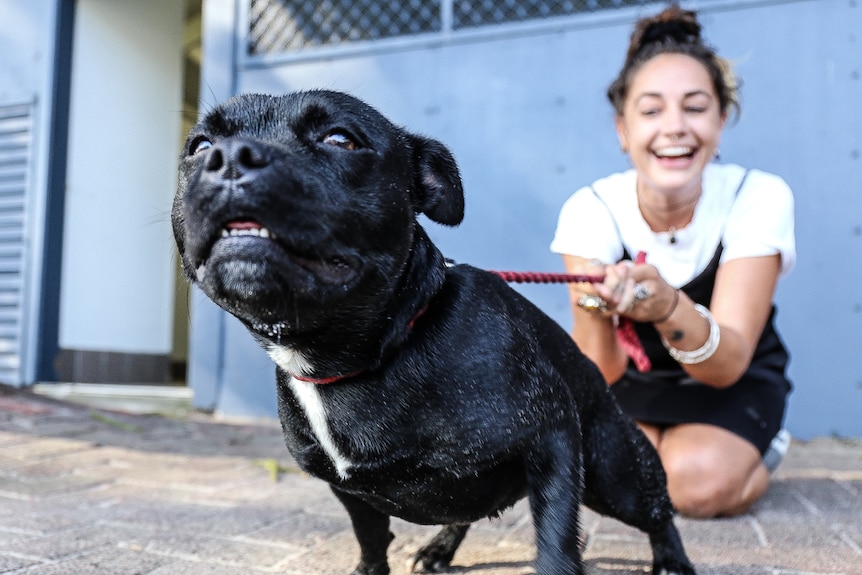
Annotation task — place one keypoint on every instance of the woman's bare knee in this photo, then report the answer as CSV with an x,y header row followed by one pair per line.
x,y
697,486
711,478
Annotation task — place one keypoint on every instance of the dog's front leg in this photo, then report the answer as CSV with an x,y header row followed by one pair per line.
x,y
371,529
555,481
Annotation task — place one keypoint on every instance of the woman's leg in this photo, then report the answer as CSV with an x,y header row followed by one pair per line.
x,y
652,432
710,471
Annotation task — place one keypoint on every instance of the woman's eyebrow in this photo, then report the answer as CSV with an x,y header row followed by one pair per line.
x,y
697,93
660,95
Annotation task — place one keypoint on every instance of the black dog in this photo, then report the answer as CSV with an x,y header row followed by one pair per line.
x,y
436,394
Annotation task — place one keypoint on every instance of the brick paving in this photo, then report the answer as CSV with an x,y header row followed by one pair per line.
x,y
86,491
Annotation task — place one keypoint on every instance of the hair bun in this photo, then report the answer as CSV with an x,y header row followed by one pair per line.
x,y
673,25
673,31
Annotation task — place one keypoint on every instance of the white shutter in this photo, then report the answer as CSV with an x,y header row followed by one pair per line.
x,y
15,144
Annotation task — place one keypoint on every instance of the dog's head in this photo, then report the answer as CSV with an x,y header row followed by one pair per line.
x,y
291,210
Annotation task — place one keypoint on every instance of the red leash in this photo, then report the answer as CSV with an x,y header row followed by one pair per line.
x,y
548,278
626,334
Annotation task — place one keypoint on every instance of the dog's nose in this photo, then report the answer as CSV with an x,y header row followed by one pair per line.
x,y
233,158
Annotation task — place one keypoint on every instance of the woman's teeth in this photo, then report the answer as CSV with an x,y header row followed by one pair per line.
x,y
674,152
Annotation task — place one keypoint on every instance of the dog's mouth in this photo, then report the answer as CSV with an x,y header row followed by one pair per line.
x,y
246,228
256,244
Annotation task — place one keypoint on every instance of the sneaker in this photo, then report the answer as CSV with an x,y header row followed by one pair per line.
x,y
776,450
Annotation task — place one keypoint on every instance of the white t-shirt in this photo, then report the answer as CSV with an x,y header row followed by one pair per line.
x,y
756,222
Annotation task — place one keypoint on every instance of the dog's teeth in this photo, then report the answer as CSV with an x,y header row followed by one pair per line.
x,y
257,232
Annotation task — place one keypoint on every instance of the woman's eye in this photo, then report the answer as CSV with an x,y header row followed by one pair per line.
x,y
341,140
199,145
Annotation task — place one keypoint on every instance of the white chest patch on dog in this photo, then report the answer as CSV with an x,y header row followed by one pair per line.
x,y
289,359
309,398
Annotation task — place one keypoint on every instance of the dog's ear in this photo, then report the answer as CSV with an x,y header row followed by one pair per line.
x,y
438,190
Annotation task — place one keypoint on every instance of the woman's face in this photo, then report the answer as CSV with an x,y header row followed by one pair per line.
x,y
671,124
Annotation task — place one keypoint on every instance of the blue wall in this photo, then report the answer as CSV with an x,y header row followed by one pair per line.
x,y
523,109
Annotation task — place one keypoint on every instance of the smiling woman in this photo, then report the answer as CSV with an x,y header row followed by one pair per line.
x,y
712,396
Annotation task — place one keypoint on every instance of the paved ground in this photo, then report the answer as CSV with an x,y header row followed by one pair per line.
x,y
86,491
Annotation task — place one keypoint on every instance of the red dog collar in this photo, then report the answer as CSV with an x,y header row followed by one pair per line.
x,y
334,378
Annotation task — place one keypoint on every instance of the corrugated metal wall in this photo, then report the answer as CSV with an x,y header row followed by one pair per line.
x,y
16,134
518,94
31,90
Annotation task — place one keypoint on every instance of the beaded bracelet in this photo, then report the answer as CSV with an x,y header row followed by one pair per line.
x,y
705,351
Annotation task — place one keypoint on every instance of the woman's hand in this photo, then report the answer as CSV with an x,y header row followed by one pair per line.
x,y
636,291
583,294
593,329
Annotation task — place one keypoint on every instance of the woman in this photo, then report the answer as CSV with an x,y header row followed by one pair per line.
x,y
716,238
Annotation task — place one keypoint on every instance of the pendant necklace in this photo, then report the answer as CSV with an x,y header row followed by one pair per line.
x,y
671,230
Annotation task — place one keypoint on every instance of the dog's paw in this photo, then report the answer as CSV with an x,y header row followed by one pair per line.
x,y
680,570
427,562
376,569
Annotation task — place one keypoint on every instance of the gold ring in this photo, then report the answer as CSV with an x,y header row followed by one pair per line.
x,y
592,303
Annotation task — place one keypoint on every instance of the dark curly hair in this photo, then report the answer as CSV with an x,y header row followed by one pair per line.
x,y
674,31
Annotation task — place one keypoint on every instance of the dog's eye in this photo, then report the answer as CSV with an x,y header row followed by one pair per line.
x,y
199,144
341,140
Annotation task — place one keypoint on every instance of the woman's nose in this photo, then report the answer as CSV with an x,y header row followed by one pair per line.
x,y
674,126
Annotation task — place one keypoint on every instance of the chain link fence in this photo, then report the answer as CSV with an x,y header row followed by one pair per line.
x,y
278,26
468,14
